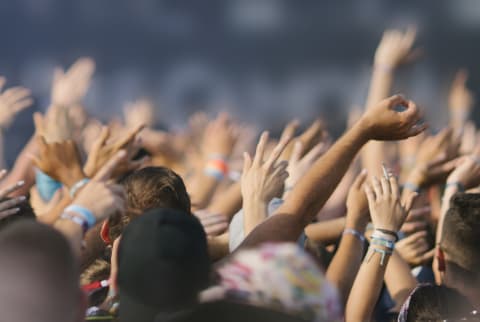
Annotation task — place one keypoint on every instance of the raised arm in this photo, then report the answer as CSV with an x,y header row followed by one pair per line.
x,y
347,259
387,214
310,194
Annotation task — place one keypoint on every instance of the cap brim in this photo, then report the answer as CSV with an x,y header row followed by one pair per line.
x,y
131,310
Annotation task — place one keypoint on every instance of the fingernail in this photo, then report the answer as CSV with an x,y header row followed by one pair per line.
x,y
20,183
16,210
22,198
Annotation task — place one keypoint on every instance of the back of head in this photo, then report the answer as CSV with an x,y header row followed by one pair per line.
x,y
434,303
156,187
38,274
461,231
162,264
150,188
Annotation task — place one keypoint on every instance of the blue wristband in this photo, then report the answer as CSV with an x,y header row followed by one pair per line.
x,y
78,185
84,212
355,233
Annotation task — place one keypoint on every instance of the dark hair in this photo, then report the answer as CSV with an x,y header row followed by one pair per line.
x,y
150,188
461,231
26,212
437,303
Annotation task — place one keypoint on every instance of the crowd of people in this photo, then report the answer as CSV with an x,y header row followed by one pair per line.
x,y
122,221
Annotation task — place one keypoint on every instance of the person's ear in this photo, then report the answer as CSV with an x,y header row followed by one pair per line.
x,y
105,233
440,255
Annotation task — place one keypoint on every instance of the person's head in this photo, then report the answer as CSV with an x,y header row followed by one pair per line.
x,y
436,303
149,188
163,263
281,277
39,275
458,252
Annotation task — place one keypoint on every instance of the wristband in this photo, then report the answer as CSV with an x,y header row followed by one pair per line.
x,y
456,184
355,233
383,252
79,184
46,186
76,219
411,186
84,212
216,168
390,245
385,234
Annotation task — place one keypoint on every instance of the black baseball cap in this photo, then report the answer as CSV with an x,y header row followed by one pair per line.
x,y
162,264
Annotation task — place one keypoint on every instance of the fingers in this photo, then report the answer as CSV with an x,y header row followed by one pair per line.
x,y
414,226
385,184
3,174
290,129
394,188
360,179
259,153
277,151
410,198
129,136
247,162
370,194
377,188
396,100
102,139
5,192
9,212
6,205
296,152
39,123
317,151
107,170
428,256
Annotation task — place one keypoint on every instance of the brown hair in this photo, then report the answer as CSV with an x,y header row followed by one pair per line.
x,y
461,231
149,188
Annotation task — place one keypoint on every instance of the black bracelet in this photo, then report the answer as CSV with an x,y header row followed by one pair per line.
x,y
388,232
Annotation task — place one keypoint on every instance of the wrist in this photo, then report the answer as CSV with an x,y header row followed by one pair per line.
x,y
74,176
358,225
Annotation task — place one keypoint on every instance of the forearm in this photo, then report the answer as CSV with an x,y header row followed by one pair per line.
x,y
327,231
345,264
218,247
399,279
380,87
72,232
255,212
22,170
202,190
55,213
229,202
366,289
318,184
449,192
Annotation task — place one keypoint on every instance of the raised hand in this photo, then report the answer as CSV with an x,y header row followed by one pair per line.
x,y
12,101
461,99
394,118
59,160
139,112
395,48
415,249
262,181
220,137
102,151
214,224
357,204
386,209
55,126
8,206
467,173
100,196
298,165
70,87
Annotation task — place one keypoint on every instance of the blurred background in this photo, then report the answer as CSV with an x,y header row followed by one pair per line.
x,y
265,61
